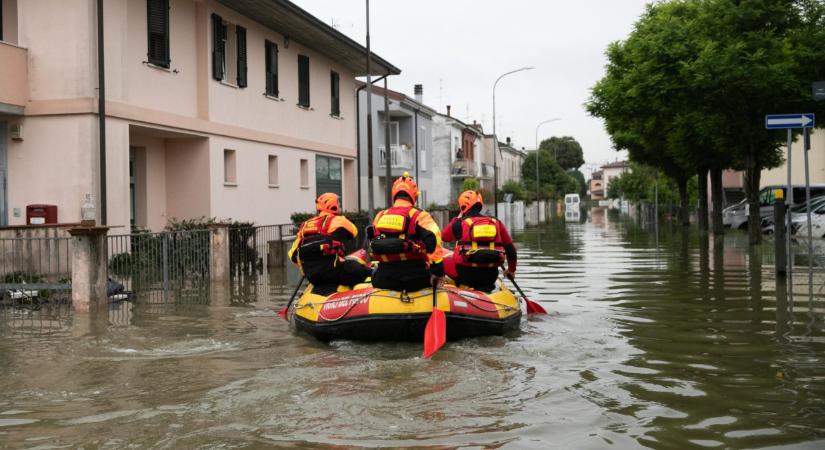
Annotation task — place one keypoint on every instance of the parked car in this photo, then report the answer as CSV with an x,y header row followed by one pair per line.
x,y
798,215
817,225
736,216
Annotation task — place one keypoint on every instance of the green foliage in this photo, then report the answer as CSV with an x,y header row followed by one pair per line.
x,y
554,182
356,217
515,188
203,223
470,184
689,88
640,184
566,150
579,177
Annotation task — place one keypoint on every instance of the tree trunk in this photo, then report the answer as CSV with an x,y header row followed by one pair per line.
x,y
716,198
703,198
752,179
684,212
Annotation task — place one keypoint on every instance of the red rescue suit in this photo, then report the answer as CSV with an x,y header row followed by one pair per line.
x,y
482,245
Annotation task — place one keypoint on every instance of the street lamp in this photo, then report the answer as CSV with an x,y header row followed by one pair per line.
x,y
537,152
495,137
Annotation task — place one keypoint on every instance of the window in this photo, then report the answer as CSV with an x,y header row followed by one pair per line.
x,y
304,173
228,45
273,171
394,135
303,81
271,57
421,142
157,23
335,93
229,173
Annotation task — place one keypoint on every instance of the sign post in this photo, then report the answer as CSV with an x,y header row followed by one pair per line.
x,y
789,122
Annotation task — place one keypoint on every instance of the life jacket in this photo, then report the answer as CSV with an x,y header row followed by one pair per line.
x,y
317,241
394,236
480,244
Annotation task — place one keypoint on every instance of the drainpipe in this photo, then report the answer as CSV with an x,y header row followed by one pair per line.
x,y
415,124
388,151
101,111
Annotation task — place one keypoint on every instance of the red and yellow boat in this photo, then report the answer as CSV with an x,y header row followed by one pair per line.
x,y
367,313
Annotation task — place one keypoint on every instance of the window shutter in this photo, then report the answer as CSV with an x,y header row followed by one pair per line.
x,y
303,80
335,93
157,23
218,43
271,57
240,32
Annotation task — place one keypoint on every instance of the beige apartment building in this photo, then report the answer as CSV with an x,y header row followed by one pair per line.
x,y
241,109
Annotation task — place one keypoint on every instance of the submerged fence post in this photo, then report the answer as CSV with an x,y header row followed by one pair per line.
x,y
89,268
780,245
219,252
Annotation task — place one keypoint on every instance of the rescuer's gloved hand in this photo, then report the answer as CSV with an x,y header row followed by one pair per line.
x,y
509,275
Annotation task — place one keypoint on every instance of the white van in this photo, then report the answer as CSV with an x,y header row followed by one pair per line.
x,y
571,201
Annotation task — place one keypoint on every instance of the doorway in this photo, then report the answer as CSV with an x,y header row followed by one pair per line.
x,y
4,217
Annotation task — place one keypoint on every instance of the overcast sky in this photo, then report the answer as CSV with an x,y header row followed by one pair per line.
x,y
457,48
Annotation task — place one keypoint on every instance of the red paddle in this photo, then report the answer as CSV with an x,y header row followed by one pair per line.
x,y
284,311
435,334
532,307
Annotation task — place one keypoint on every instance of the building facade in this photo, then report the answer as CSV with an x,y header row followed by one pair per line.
x,y
596,187
510,162
458,152
613,170
230,109
411,142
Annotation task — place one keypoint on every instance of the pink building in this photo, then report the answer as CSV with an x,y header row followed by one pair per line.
x,y
239,109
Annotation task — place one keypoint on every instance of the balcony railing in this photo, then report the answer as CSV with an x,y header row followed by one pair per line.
x,y
400,157
14,78
464,168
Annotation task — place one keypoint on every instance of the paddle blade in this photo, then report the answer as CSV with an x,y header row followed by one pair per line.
x,y
533,307
283,312
435,334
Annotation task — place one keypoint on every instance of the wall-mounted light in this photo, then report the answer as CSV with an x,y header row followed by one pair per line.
x,y
286,41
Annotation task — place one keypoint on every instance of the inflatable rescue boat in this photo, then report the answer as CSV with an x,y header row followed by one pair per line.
x,y
367,313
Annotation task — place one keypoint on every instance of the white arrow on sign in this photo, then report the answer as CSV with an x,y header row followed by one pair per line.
x,y
800,121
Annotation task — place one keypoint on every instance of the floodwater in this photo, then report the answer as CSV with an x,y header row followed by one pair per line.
x,y
652,342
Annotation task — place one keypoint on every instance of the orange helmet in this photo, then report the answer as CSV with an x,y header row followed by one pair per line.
x,y
328,202
468,199
405,184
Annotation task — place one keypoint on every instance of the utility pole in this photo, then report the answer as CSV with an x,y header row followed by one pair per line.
x,y
370,193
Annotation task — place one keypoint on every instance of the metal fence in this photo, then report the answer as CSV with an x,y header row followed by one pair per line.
x,y
158,262
34,270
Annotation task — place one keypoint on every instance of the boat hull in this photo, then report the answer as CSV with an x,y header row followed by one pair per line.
x,y
369,314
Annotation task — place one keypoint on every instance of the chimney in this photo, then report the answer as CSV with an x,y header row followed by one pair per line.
x,y
419,93
508,141
448,111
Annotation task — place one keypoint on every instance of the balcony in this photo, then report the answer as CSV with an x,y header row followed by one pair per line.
x,y
14,88
464,168
487,172
401,158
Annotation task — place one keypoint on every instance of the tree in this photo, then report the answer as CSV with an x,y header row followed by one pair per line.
x,y
566,150
579,177
688,90
554,182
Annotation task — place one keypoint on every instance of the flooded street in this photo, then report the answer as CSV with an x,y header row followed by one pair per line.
x,y
652,342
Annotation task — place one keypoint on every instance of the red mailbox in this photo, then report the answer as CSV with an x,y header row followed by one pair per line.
x,y
41,214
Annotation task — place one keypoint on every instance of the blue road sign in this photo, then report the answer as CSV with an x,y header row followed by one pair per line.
x,y
784,121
